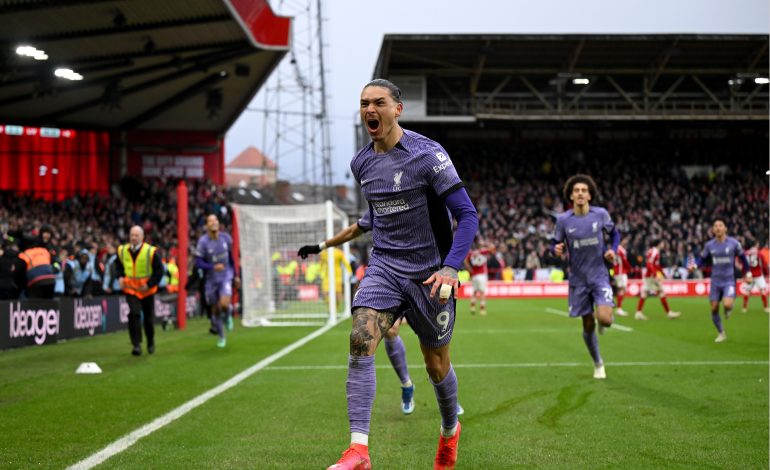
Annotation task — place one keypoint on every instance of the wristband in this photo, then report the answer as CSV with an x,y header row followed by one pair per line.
x,y
322,246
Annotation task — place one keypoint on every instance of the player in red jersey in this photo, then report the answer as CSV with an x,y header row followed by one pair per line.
x,y
620,271
758,271
476,264
652,281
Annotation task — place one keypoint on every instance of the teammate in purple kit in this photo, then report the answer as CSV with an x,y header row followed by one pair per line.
x,y
413,191
721,251
214,253
581,231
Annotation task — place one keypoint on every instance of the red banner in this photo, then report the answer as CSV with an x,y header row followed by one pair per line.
x,y
536,289
53,163
175,154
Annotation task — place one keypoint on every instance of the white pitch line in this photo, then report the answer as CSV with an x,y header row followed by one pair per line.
x,y
562,313
130,439
521,365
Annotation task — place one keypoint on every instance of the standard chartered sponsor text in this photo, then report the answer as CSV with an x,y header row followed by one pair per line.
x,y
390,206
586,242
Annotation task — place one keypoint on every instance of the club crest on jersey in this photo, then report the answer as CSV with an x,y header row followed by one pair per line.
x,y
397,180
727,250
594,226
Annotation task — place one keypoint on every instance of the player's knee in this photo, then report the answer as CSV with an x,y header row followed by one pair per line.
x,y
361,342
436,369
604,316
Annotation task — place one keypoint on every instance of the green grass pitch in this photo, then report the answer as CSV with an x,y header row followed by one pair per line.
x,y
672,399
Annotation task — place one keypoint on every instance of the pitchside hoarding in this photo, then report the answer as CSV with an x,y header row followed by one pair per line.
x,y
38,322
29,323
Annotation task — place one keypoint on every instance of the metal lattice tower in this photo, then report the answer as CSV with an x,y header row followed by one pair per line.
x,y
292,104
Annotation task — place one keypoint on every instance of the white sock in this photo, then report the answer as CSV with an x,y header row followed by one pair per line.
x,y
359,438
406,384
448,432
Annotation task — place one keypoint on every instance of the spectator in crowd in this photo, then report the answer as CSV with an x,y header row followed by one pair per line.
x,y
10,269
110,283
63,273
38,269
80,281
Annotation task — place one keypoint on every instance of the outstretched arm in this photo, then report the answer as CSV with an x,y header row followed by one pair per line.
x,y
348,233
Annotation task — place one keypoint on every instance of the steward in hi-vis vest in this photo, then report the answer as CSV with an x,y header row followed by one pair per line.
x,y
139,272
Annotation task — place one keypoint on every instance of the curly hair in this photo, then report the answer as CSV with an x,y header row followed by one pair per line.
x,y
580,178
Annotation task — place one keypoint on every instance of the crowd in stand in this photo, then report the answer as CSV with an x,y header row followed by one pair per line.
x,y
649,197
517,190
88,229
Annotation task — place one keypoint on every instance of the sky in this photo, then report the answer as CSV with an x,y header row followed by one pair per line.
x,y
354,31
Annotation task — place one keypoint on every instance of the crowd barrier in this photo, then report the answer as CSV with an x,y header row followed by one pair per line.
x,y
32,322
553,290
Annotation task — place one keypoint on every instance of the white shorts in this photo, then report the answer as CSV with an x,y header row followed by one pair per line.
x,y
479,283
621,281
652,286
758,282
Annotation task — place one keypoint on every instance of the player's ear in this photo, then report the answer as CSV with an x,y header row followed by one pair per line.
x,y
399,109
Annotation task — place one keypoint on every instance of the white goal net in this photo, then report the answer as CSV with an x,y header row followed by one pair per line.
x,y
280,288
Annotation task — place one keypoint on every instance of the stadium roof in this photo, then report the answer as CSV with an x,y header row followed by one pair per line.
x,y
672,76
145,64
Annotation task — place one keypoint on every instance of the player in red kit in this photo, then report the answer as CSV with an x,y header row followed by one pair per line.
x,y
476,263
758,271
620,270
652,281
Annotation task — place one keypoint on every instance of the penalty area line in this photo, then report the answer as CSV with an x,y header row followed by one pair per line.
x,y
130,439
614,326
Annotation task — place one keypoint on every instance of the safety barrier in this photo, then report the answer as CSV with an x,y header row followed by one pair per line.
x,y
33,322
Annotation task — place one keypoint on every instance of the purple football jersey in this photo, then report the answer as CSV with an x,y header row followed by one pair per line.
x,y
583,237
405,187
216,251
722,256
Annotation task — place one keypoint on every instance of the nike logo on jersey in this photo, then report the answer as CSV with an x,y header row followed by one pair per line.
x,y
440,337
363,182
570,230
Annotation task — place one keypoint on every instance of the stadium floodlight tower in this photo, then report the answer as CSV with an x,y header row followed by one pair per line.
x,y
292,106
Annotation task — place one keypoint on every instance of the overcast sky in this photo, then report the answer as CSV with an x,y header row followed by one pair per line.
x,y
354,31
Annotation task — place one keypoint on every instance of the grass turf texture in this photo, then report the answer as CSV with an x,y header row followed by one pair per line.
x,y
525,382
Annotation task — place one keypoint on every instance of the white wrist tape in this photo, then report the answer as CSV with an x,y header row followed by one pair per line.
x,y
445,292
322,246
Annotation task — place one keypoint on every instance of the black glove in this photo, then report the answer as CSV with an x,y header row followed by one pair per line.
x,y
308,250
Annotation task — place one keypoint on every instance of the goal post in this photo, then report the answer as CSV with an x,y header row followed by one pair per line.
x,y
279,288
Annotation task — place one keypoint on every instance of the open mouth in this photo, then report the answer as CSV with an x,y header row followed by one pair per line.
x,y
373,124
